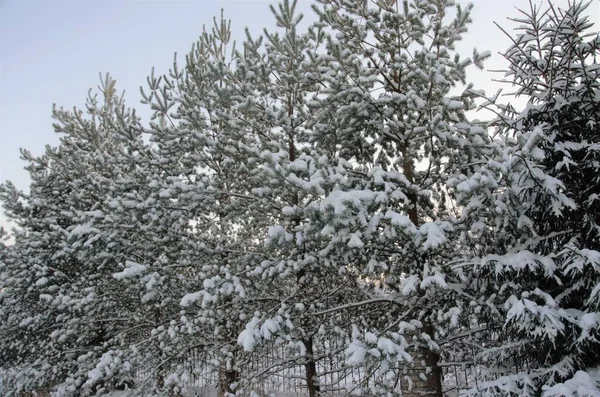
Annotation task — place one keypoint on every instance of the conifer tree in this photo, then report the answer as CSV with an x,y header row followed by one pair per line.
x,y
343,188
252,125
534,213
390,112
317,185
57,306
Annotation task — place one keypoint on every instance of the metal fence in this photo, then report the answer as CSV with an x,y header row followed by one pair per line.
x,y
273,368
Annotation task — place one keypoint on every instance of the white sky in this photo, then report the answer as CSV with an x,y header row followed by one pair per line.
x,y
51,51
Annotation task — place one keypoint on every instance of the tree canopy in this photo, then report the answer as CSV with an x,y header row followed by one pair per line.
x,y
314,193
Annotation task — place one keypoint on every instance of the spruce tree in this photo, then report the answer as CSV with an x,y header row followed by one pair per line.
x,y
534,211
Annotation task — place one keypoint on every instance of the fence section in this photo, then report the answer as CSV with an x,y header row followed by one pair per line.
x,y
274,368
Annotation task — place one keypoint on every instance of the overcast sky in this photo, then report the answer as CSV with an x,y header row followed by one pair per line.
x,y
51,51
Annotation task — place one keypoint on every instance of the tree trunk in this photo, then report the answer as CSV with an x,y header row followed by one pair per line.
x,y
227,377
432,386
310,366
432,359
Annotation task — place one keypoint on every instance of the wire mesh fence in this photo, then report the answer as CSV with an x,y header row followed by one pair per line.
x,y
276,369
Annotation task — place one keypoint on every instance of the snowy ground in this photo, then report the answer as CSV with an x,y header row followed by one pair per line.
x,y
188,392
206,392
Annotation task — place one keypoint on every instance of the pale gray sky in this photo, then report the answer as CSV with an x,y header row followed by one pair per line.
x,y
51,51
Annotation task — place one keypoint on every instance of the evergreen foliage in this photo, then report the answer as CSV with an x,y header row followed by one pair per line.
x,y
535,212
318,190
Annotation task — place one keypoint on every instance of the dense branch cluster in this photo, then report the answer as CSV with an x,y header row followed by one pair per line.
x,y
319,191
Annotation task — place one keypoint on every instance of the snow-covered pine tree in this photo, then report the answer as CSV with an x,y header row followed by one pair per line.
x,y
60,314
382,137
252,122
200,217
163,221
394,111
126,238
533,214
293,281
239,131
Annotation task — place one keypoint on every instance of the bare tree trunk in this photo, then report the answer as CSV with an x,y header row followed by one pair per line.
x,y
310,366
